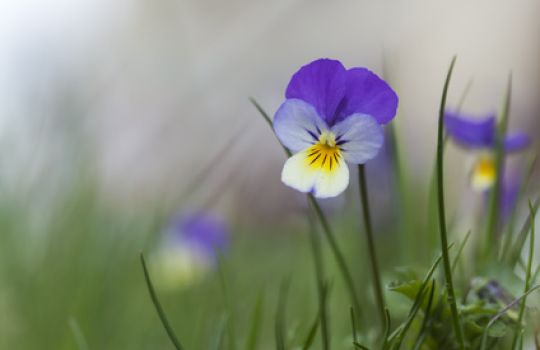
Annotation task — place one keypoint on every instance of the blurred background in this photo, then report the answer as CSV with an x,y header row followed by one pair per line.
x,y
116,116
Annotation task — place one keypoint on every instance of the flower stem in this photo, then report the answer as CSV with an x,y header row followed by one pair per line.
x,y
319,274
377,285
342,264
442,216
493,217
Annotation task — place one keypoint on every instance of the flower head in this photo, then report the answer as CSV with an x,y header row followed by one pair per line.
x,y
190,247
479,133
331,115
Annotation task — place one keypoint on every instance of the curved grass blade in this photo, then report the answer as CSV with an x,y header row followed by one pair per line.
x,y
280,315
400,332
506,243
520,240
353,324
501,313
460,250
311,334
490,246
336,251
157,305
387,327
77,334
321,287
217,344
372,252
256,320
423,329
360,346
528,275
442,215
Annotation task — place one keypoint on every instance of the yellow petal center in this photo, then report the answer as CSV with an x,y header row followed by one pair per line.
x,y
325,154
484,173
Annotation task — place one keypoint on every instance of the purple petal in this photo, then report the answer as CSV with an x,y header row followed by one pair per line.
x,y
360,137
470,131
320,83
511,187
366,93
200,230
298,125
516,141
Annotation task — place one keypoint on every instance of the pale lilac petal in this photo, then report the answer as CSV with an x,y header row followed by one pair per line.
x,y
320,83
366,93
298,125
360,137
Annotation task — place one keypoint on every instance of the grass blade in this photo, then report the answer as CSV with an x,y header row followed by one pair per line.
x,y
78,334
157,305
311,334
490,247
442,215
280,315
256,320
319,275
217,344
528,275
423,329
375,271
517,247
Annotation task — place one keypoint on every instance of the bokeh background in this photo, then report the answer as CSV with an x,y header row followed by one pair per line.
x,y
115,116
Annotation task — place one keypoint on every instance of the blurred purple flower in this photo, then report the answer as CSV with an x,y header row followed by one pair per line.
x,y
190,248
201,231
480,132
331,115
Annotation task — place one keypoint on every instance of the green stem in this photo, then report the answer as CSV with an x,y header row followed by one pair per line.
x,y
158,307
493,217
377,285
340,259
442,215
319,272
528,274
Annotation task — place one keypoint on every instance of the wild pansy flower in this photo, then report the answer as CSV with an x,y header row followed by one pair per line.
x,y
331,115
190,247
479,134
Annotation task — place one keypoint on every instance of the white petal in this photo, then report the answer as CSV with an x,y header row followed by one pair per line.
x,y
299,174
360,137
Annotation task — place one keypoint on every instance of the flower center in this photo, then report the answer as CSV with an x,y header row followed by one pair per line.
x,y
483,173
325,154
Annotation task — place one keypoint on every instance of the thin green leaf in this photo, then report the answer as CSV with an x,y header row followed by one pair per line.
x,y
387,327
442,214
423,329
280,315
217,343
311,334
520,240
256,321
353,324
460,250
528,274
159,309
490,246
400,332
360,346
77,334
